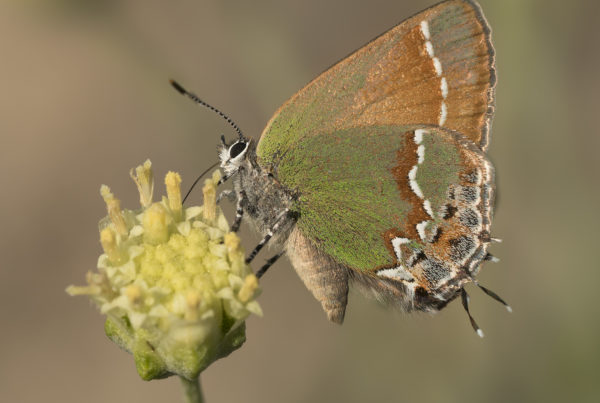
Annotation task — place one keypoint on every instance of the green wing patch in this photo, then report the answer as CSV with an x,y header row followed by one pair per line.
x,y
348,196
352,194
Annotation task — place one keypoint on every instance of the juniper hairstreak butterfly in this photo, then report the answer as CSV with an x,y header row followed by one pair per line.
x,y
376,171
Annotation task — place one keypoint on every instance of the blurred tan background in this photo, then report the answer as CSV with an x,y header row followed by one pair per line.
x,y
84,97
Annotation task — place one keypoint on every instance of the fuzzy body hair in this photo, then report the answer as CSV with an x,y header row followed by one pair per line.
x,y
262,197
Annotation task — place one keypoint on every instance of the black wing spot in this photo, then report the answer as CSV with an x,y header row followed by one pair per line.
x,y
469,218
450,211
418,257
461,248
437,235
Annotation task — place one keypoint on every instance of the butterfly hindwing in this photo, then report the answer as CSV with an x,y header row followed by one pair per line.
x,y
394,200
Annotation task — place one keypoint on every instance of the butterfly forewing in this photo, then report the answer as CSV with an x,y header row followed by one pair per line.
x,y
434,68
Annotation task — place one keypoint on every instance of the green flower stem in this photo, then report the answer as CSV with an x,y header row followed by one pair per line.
x,y
192,390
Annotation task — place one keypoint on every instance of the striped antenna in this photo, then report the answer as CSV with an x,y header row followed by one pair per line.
x,y
197,100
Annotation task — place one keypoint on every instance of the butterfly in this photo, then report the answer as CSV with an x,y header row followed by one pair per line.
x,y
375,173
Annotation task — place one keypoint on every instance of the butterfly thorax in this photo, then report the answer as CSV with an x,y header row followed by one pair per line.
x,y
263,198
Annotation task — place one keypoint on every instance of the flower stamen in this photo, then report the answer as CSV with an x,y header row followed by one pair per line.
x,y
144,179
173,184
113,206
108,240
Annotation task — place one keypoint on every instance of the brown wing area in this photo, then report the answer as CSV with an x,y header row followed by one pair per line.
x,y
462,42
402,87
436,68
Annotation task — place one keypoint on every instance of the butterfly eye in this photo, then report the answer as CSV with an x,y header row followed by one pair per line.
x,y
237,149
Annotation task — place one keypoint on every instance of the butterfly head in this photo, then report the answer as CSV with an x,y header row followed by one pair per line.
x,y
234,155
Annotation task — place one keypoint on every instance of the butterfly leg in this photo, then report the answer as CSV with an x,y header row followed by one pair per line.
x,y
280,219
224,178
229,194
268,264
239,213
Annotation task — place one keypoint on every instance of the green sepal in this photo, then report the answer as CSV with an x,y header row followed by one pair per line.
x,y
190,360
232,341
234,337
148,363
119,332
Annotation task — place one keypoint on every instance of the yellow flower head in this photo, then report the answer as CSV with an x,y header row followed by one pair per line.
x,y
172,281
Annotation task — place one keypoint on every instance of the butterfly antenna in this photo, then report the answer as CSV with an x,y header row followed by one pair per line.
x,y
197,179
197,100
465,302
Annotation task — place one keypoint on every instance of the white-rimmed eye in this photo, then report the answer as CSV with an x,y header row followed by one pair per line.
x,y
237,148
234,156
